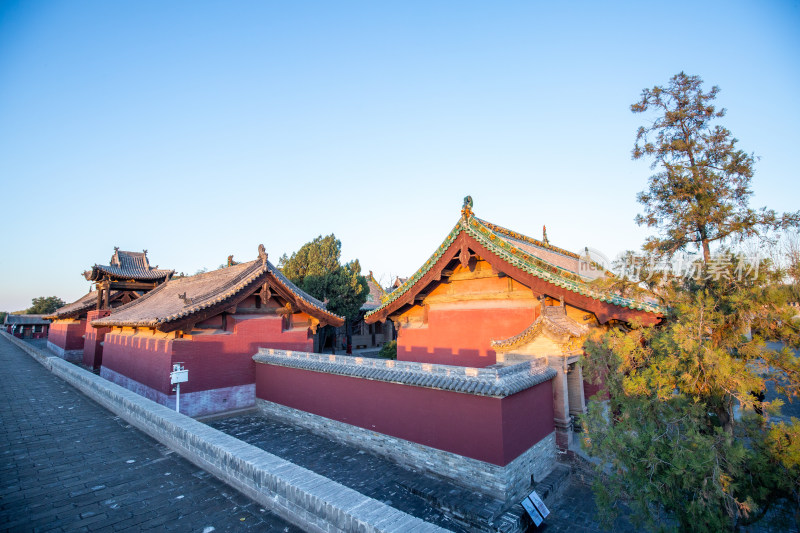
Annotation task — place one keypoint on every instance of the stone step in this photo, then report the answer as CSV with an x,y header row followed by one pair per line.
x,y
549,488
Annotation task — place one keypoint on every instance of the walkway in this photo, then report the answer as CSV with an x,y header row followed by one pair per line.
x,y
67,464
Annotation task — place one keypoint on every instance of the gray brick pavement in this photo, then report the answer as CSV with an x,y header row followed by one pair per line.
x,y
67,464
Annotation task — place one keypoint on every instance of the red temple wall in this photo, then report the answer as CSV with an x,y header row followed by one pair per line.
x,y
214,360
462,337
93,338
68,335
493,430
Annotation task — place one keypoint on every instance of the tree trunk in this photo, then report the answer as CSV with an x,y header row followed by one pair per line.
x,y
706,244
725,419
349,335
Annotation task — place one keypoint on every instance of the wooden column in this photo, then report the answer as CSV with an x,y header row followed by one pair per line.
x,y
107,289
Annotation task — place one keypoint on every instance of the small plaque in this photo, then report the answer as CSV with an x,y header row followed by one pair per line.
x,y
179,376
540,506
532,512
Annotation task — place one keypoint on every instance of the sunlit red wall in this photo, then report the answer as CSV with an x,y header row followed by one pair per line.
x,y
462,336
68,335
214,361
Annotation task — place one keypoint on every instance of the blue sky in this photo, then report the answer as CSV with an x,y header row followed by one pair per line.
x,y
201,129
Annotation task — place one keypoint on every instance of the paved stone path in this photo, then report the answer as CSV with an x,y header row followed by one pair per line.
x,y
67,464
368,474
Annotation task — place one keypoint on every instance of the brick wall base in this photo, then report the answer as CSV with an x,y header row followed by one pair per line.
x,y
73,356
198,403
502,482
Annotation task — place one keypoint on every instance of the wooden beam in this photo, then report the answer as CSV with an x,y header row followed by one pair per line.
x,y
473,297
131,285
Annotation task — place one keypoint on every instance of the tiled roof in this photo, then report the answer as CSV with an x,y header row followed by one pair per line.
x,y
79,307
26,319
376,292
525,253
554,319
496,382
180,298
128,265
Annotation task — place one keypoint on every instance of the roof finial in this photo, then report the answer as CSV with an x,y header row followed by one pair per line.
x,y
466,210
544,235
262,254
145,251
116,249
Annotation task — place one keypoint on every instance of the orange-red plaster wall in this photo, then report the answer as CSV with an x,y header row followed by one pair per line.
x,y
67,334
463,316
461,337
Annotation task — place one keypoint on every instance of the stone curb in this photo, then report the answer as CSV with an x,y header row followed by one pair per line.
x,y
300,496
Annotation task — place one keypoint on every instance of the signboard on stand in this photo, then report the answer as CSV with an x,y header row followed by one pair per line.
x,y
535,508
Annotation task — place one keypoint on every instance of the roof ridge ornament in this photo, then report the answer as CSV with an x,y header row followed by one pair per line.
x,y
544,235
466,209
262,254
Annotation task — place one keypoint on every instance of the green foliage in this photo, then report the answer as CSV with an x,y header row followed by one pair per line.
x,y
701,192
388,350
319,257
316,269
669,433
345,289
44,305
3,315
687,436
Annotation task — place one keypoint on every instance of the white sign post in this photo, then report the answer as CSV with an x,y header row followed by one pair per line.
x,y
176,377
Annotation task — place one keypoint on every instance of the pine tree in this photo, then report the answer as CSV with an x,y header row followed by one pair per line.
x,y
688,436
316,269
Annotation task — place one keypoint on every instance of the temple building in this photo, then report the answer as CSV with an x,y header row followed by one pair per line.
x,y
487,382
26,326
371,335
492,297
127,277
212,323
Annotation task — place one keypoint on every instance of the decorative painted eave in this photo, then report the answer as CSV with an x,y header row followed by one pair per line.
x,y
531,332
483,235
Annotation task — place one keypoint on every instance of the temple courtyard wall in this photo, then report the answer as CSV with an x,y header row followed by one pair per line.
x,y
221,368
65,339
491,430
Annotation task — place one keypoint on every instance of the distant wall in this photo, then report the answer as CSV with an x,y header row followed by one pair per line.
x,y
67,334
